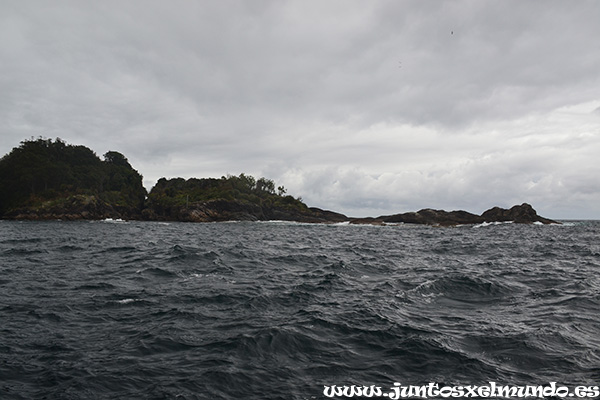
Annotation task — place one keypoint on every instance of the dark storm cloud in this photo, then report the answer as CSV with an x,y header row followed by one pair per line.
x,y
366,107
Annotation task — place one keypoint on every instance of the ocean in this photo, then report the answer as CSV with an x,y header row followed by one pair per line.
x,y
279,310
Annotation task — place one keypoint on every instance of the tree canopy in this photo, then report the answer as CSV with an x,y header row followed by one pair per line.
x,y
43,173
178,192
42,169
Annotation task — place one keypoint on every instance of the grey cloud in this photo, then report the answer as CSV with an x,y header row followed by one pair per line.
x,y
401,103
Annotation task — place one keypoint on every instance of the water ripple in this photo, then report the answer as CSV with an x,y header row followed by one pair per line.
x,y
275,310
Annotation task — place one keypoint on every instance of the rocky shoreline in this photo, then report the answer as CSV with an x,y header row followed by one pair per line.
x,y
91,208
521,214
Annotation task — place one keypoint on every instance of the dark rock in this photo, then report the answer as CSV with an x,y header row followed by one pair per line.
x,y
429,216
326,215
211,211
77,207
231,210
92,208
367,221
523,214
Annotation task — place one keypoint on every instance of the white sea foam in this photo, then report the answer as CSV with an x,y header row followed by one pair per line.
x,y
111,220
344,223
282,222
492,223
126,301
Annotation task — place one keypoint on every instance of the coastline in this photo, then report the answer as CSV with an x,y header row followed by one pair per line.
x,y
228,211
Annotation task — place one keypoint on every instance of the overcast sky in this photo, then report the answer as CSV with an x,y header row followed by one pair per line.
x,y
362,107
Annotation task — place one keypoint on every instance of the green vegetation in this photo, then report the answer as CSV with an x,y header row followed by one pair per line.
x,y
46,179
43,173
175,193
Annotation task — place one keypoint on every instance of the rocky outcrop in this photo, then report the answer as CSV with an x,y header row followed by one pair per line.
x,y
523,214
326,215
434,217
210,211
231,210
77,207
84,207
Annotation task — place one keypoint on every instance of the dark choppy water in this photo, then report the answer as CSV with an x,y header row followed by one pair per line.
x,y
97,310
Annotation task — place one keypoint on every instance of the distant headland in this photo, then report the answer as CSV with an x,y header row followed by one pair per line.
x,y
44,179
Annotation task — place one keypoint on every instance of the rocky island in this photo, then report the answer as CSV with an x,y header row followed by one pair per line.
x,y
231,198
44,180
522,214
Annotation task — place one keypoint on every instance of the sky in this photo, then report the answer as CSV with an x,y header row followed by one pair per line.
x,y
363,107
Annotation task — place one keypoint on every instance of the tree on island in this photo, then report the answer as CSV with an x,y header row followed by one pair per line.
x,y
41,172
170,194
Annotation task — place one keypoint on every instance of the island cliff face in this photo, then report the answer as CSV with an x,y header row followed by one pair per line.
x,y
44,180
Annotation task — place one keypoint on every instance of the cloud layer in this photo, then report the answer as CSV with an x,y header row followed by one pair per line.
x,y
362,107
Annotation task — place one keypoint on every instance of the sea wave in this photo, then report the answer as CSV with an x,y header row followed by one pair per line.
x,y
278,310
